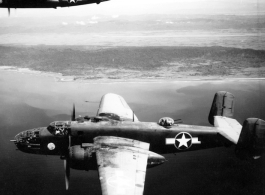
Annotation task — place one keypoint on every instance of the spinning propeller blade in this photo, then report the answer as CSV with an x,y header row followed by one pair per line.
x,y
73,113
66,160
67,172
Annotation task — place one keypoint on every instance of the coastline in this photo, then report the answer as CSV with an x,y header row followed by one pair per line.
x,y
59,77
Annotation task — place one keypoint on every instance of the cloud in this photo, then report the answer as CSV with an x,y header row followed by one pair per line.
x,y
80,23
64,23
115,16
93,22
94,18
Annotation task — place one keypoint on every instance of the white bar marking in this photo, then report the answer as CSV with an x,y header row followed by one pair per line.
x,y
195,140
170,141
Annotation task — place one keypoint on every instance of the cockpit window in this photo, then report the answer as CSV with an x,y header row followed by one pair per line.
x,y
110,116
98,119
93,119
59,128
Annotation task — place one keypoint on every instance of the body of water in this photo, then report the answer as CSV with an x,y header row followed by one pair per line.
x,y
236,39
33,100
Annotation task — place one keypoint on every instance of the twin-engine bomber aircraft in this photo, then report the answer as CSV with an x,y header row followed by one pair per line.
x,y
120,147
44,3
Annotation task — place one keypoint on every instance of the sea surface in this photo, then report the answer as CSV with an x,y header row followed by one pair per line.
x,y
29,100
195,38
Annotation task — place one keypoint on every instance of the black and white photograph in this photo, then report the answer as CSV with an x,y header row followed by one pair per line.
x,y
122,97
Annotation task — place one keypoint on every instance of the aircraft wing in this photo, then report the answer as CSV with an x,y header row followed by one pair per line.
x,y
116,105
122,168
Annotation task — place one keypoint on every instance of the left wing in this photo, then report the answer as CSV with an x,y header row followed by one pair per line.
x,y
115,104
122,165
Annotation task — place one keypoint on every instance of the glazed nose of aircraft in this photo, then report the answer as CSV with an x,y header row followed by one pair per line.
x,y
28,141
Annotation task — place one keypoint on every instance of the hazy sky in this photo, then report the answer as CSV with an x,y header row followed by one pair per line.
x,y
118,7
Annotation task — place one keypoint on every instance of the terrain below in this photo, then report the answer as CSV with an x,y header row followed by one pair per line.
x,y
130,63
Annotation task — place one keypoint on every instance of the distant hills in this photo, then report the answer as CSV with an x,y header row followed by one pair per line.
x,y
141,30
133,47
103,23
93,63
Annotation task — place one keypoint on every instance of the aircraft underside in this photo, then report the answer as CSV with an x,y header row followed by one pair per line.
x,y
44,3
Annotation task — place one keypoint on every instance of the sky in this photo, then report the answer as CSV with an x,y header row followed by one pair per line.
x,y
136,7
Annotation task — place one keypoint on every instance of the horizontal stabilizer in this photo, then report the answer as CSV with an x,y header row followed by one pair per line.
x,y
228,127
223,105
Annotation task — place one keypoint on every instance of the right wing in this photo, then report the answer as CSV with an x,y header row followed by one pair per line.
x,y
122,165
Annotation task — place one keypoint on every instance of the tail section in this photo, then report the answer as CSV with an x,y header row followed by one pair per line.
x,y
228,128
221,114
249,139
223,105
251,143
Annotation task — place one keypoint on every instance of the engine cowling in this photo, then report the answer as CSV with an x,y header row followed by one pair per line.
x,y
80,157
251,143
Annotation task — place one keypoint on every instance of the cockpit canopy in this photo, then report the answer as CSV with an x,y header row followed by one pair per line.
x,y
110,116
93,119
62,128
99,118
59,128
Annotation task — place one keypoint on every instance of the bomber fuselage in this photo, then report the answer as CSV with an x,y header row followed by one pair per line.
x,y
45,3
53,140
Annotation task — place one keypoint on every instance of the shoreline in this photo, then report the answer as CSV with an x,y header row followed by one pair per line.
x,y
58,77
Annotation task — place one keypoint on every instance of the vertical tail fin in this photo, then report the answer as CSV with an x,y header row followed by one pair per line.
x,y
251,142
223,105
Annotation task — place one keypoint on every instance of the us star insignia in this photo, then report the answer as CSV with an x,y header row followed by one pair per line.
x,y
183,141
72,1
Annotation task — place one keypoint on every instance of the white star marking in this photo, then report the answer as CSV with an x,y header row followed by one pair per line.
x,y
183,141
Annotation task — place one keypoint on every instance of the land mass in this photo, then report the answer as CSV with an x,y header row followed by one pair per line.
x,y
129,63
247,31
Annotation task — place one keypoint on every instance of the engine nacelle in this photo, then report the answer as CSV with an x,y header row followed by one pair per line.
x,y
80,157
251,143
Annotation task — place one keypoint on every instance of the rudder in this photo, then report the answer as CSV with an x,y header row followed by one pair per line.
x,y
223,105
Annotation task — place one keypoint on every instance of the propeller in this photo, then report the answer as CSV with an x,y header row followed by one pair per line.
x,y
73,113
67,172
66,160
